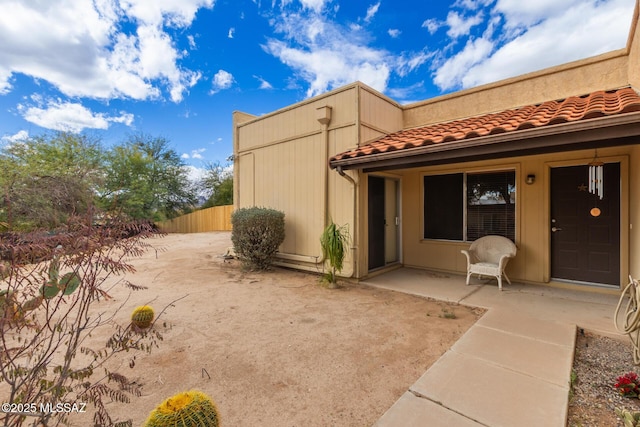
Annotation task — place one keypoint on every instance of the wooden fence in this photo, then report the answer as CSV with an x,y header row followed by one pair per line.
x,y
217,218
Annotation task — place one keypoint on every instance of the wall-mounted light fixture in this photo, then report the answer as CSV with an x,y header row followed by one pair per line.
x,y
531,178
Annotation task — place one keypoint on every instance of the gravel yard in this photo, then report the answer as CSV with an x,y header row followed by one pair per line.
x,y
598,362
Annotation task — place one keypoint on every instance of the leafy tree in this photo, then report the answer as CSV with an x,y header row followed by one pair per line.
x,y
217,183
48,178
146,179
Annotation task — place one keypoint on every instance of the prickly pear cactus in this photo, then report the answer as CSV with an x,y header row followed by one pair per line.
x,y
68,283
142,316
192,408
630,419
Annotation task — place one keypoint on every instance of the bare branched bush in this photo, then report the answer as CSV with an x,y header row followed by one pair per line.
x,y
51,289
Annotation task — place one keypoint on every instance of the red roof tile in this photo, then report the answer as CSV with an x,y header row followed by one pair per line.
x,y
596,104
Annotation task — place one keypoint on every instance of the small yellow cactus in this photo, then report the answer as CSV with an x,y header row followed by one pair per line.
x,y
192,408
142,316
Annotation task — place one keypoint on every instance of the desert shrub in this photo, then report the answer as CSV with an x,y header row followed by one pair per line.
x,y
51,286
256,235
334,241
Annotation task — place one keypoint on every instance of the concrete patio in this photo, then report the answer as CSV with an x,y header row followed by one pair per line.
x,y
512,367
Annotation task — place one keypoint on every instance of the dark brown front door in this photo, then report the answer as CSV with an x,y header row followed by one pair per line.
x,y
585,247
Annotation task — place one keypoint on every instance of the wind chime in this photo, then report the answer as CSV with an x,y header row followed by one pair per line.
x,y
596,181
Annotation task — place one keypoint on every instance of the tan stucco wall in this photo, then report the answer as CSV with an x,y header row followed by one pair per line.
x,y
608,71
379,115
281,162
633,48
532,264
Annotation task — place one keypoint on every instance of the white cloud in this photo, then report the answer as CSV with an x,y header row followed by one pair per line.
x,y
192,41
326,55
432,25
178,13
195,154
231,32
335,65
520,37
263,83
69,117
16,137
406,93
459,25
405,64
195,173
81,48
315,5
394,33
371,12
222,80
454,70
526,13
472,4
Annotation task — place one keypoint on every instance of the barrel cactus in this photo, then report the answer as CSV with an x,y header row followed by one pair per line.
x,y
142,316
192,408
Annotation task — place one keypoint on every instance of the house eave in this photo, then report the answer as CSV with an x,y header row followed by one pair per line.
x,y
609,130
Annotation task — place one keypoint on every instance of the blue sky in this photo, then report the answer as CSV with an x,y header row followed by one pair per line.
x,y
179,68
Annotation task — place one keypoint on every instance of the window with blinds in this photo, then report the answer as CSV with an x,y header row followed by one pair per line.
x,y
467,206
491,203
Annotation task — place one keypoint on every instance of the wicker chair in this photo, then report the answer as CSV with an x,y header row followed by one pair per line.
x,y
488,256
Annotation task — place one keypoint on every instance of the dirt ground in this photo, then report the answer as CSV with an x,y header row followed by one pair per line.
x,y
275,348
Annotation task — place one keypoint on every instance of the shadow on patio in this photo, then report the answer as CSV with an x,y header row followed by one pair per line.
x,y
590,310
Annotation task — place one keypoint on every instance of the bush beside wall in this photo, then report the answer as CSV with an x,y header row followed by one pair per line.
x,y
256,235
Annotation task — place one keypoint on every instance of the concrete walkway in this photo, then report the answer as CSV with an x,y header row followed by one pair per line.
x,y
512,367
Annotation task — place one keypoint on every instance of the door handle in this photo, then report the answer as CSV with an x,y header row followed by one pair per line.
x,y
554,229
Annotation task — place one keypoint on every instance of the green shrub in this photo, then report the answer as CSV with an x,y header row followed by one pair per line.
x,y
334,242
256,235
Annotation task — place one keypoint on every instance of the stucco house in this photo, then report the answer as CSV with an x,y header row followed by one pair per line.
x,y
417,183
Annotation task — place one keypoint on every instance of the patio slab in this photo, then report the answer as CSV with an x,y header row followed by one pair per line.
x,y
442,287
510,368
412,411
492,394
592,311
528,355
519,323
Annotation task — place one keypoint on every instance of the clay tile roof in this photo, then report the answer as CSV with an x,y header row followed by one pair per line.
x,y
596,104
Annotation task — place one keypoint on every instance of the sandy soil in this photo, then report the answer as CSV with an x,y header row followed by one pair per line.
x,y
276,348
